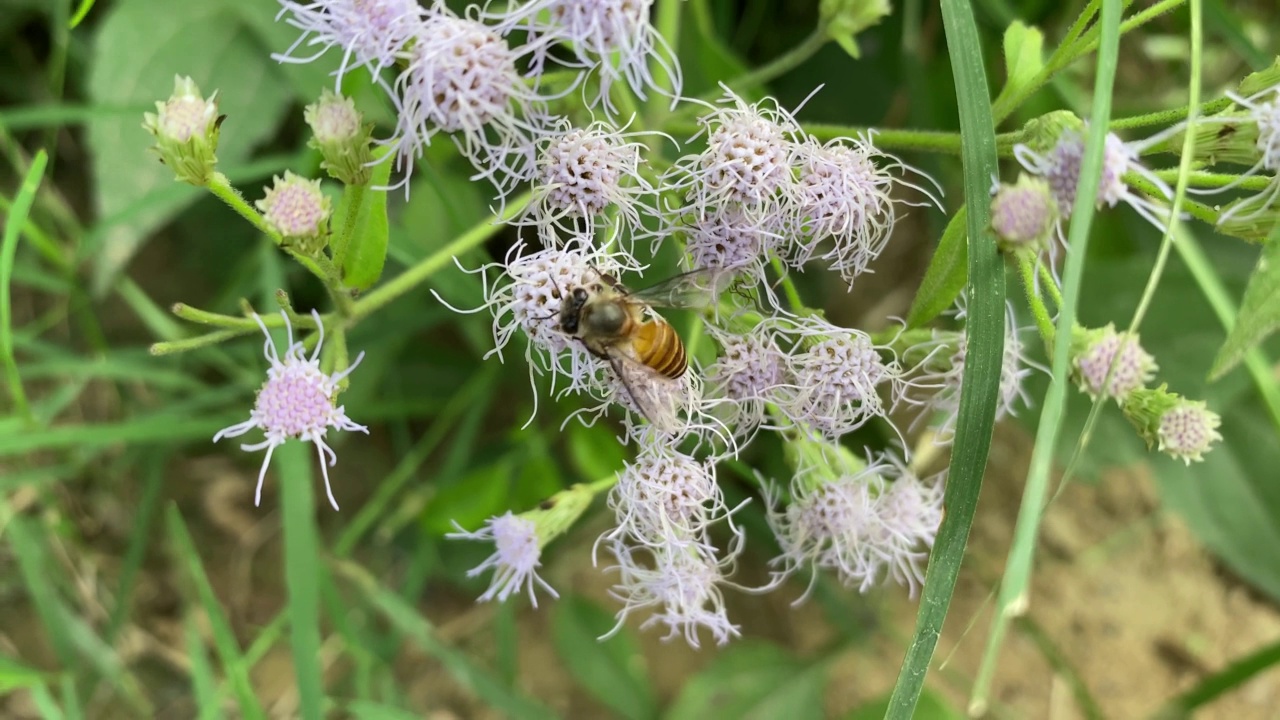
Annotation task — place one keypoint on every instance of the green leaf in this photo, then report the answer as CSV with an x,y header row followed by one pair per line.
x,y
365,251
612,670
985,342
946,275
1023,55
594,451
140,46
931,707
204,685
753,681
8,253
1259,314
14,675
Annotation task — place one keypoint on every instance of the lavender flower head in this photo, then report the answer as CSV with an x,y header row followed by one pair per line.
x,y
611,39
936,379
371,33
1061,166
681,584
665,497
863,520
747,161
839,373
845,193
459,77
515,560
581,174
296,401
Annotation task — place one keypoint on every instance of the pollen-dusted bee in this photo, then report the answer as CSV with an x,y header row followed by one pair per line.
x,y
615,324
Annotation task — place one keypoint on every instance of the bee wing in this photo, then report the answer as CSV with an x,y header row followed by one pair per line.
x,y
693,289
649,392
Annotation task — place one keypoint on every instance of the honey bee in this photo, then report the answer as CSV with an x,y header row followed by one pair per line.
x,y
617,325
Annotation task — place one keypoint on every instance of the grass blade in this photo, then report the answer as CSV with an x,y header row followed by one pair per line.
x,y
1013,597
224,640
406,620
204,686
35,567
985,337
302,569
8,255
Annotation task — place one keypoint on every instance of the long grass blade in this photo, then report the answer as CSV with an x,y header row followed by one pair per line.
x,y
302,570
985,338
8,255
224,639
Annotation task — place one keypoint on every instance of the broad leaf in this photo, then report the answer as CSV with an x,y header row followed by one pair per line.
x,y
366,251
1259,314
1023,55
946,275
611,670
141,45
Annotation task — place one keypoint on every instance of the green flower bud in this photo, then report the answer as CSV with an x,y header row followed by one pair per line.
x,y
1042,133
297,209
844,19
341,136
186,130
1183,429
1023,215
1254,83
554,516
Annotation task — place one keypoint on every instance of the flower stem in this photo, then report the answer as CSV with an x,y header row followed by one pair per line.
x,y
1044,321
195,343
1217,180
1168,117
788,287
780,65
1199,211
222,188
414,276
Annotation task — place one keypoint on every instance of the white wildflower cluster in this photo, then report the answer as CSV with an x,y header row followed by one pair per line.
x,y
763,187
756,195
866,521
478,77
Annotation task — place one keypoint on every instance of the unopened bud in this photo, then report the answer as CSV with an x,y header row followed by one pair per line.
x,y
1023,215
297,209
186,130
341,136
1183,429
1093,352
1042,133
844,19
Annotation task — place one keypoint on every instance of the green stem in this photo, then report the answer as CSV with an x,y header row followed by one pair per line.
x,y
603,484
1217,180
222,188
1077,27
667,24
414,276
1199,211
778,66
788,287
176,346
355,203
1044,320
204,317
1048,281
1168,117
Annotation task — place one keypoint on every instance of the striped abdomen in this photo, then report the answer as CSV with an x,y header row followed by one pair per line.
x,y
657,345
